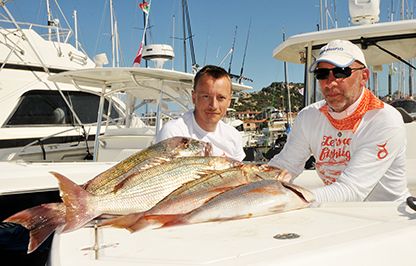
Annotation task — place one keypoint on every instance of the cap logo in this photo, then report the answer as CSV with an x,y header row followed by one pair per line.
x,y
331,49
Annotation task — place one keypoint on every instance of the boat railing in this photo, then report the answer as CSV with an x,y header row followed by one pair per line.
x,y
60,34
81,128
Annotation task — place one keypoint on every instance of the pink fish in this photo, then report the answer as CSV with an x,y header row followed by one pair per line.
x,y
193,194
253,199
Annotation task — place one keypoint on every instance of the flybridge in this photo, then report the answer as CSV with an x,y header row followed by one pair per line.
x,y
47,55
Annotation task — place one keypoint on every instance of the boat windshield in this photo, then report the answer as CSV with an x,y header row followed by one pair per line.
x,y
39,107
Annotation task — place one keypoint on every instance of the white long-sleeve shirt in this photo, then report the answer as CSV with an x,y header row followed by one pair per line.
x,y
225,140
367,164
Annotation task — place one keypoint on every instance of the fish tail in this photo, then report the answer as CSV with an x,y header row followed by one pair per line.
x,y
41,221
76,200
124,221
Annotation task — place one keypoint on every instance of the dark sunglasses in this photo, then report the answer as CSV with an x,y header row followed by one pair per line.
x,y
338,72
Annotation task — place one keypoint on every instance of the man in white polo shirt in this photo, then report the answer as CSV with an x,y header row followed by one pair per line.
x,y
211,96
358,141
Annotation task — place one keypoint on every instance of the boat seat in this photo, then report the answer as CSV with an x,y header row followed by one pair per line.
x,y
407,118
58,116
120,146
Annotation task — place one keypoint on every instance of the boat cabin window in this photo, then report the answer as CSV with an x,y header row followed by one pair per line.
x,y
39,107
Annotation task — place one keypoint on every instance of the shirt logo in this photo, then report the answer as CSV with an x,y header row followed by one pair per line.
x,y
382,151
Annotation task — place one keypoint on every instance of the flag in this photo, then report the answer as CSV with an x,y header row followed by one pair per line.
x,y
139,54
144,6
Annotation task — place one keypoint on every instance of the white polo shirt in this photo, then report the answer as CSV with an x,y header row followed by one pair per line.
x,y
226,140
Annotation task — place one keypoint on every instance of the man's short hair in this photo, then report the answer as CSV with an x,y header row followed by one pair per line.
x,y
213,71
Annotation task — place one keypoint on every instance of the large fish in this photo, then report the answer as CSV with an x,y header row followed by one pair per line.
x,y
44,219
164,150
137,192
250,200
195,193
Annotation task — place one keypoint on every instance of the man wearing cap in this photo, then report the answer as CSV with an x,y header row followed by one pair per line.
x,y
358,141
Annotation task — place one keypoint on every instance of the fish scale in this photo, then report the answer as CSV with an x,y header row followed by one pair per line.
x,y
137,192
253,199
156,183
212,184
164,150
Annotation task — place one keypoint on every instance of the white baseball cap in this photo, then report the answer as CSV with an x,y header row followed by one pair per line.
x,y
340,53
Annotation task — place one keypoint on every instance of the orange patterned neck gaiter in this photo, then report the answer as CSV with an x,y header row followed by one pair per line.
x,y
351,122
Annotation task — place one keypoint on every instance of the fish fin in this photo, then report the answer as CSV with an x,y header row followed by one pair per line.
x,y
165,220
203,173
172,220
124,221
75,199
143,222
152,162
41,221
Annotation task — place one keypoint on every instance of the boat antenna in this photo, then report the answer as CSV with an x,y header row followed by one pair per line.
x,y
232,50
245,53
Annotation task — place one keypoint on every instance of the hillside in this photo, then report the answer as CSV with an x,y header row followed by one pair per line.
x,y
274,95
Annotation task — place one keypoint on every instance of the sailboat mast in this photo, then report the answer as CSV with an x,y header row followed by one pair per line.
x,y
184,36
113,43
187,34
245,53
191,41
48,11
289,104
411,71
232,51
391,66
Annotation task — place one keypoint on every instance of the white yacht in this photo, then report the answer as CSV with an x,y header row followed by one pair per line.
x,y
39,119
354,233
27,184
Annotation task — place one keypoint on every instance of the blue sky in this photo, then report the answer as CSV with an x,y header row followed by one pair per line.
x,y
213,26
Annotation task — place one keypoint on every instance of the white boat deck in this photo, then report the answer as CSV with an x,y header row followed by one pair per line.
x,y
22,177
370,233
